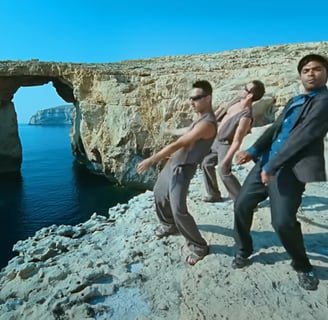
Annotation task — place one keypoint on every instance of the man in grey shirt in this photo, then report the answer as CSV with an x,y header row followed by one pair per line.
x,y
234,124
172,185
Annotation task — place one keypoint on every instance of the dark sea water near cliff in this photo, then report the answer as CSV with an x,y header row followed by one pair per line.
x,y
52,189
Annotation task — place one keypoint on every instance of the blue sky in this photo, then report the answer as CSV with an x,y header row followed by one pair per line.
x,y
110,31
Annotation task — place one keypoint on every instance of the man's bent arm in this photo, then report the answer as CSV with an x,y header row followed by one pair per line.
x,y
313,127
242,129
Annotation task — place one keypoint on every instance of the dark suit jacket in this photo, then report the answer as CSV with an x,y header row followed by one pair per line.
x,y
303,151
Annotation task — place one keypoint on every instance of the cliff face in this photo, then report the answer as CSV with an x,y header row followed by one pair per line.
x,y
61,115
10,145
121,109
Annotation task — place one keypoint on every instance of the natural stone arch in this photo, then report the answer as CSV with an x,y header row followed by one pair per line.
x,y
10,145
10,84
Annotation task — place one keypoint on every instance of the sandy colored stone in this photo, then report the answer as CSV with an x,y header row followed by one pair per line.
x,y
122,109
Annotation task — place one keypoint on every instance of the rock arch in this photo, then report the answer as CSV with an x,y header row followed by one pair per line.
x,y
11,149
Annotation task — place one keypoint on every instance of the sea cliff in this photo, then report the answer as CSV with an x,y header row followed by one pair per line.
x,y
56,116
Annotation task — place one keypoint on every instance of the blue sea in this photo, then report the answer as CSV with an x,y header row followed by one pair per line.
x,y
52,188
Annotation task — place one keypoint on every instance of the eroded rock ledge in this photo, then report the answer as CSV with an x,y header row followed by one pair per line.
x,y
122,108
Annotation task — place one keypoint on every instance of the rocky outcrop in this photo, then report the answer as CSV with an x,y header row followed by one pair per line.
x,y
56,116
10,145
122,109
115,268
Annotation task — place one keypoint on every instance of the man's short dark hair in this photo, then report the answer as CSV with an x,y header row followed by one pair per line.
x,y
312,57
258,90
204,85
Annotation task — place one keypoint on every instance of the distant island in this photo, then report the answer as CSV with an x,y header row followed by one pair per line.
x,y
56,116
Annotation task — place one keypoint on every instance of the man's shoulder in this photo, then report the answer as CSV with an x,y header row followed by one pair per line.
x,y
209,116
322,94
321,98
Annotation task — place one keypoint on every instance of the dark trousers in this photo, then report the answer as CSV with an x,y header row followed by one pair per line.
x,y
285,194
170,191
215,157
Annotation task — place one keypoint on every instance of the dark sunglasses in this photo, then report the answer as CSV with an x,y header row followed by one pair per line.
x,y
196,98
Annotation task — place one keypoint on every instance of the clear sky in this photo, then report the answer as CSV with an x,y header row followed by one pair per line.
x,y
109,31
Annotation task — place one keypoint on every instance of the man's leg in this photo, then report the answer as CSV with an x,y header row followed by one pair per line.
x,y
251,193
162,203
285,192
210,180
183,219
286,196
230,182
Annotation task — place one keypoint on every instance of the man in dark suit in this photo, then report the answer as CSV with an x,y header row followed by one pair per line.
x,y
289,154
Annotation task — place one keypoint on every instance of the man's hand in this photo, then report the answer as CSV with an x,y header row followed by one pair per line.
x,y
243,157
144,165
266,177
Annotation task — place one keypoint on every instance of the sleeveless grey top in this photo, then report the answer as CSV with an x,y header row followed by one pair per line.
x,y
196,152
228,129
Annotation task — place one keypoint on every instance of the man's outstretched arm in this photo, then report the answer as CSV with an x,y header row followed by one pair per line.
x,y
202,130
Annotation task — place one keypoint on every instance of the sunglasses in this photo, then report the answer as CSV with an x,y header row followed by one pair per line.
x,y
196,98
247,90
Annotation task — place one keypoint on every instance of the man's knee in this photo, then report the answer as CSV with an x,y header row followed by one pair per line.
x,y
284,226
160,198
206,164
157,198
179,210
241,201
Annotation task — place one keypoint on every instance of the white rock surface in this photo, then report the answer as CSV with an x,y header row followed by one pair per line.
x,y
115,268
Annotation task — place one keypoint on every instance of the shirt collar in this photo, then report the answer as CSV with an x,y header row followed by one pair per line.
x,y
310,94
315,92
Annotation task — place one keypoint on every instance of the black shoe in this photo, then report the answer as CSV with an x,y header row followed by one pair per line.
x,y
308,280
213,199
239,262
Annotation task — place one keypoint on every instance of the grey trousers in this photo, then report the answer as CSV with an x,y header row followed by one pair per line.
x,y
170,191
230,182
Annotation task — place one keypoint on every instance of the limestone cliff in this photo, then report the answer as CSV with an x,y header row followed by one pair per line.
x,y
121,109
56,116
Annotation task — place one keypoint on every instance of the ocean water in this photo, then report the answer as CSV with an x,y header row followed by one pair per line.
x,y
52,188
